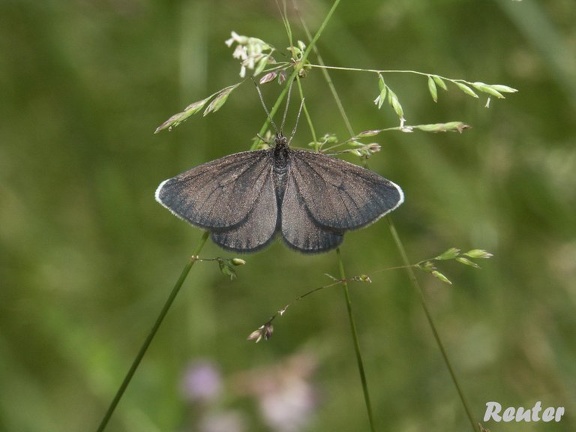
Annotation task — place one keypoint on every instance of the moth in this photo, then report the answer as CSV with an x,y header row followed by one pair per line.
x,y
309,199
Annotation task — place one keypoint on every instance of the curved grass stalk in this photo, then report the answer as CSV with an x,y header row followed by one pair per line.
x,y
399,245
151,334
357,350
418,288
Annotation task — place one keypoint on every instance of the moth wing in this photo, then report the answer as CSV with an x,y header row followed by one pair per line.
x,y
257,229
219,194
299,230
341,195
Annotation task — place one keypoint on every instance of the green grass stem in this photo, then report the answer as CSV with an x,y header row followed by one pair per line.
x,y
151,334
418,288
359,360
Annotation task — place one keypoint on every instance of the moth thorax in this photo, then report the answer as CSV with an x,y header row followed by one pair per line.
x,y
281,156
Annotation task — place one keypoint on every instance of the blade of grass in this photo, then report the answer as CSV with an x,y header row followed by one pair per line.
x,y
406,262
418,288
151,334
355,340
358,352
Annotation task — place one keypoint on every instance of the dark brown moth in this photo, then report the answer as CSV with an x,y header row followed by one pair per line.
x,y
308,198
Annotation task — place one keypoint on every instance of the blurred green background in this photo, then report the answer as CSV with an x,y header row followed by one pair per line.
x,y
87,257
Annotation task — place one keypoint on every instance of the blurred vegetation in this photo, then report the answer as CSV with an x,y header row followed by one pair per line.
x,y
87,256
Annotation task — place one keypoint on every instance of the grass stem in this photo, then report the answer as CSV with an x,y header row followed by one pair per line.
x,y
356,342
151,334
418,288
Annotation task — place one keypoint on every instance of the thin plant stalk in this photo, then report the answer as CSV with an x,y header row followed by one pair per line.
x,y
403,255
151,334
305,55
356,342
418,288
358,352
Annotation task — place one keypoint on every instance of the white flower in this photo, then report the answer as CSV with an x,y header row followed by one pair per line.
x,y
249,50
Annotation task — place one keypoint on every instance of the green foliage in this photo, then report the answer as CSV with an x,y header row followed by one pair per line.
x,y
456,255
217,100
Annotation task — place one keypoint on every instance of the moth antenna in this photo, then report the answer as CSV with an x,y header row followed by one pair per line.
x,y
297,120
287,104
264,105
285,111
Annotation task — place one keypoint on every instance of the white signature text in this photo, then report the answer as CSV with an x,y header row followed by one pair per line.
x,y
520,414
